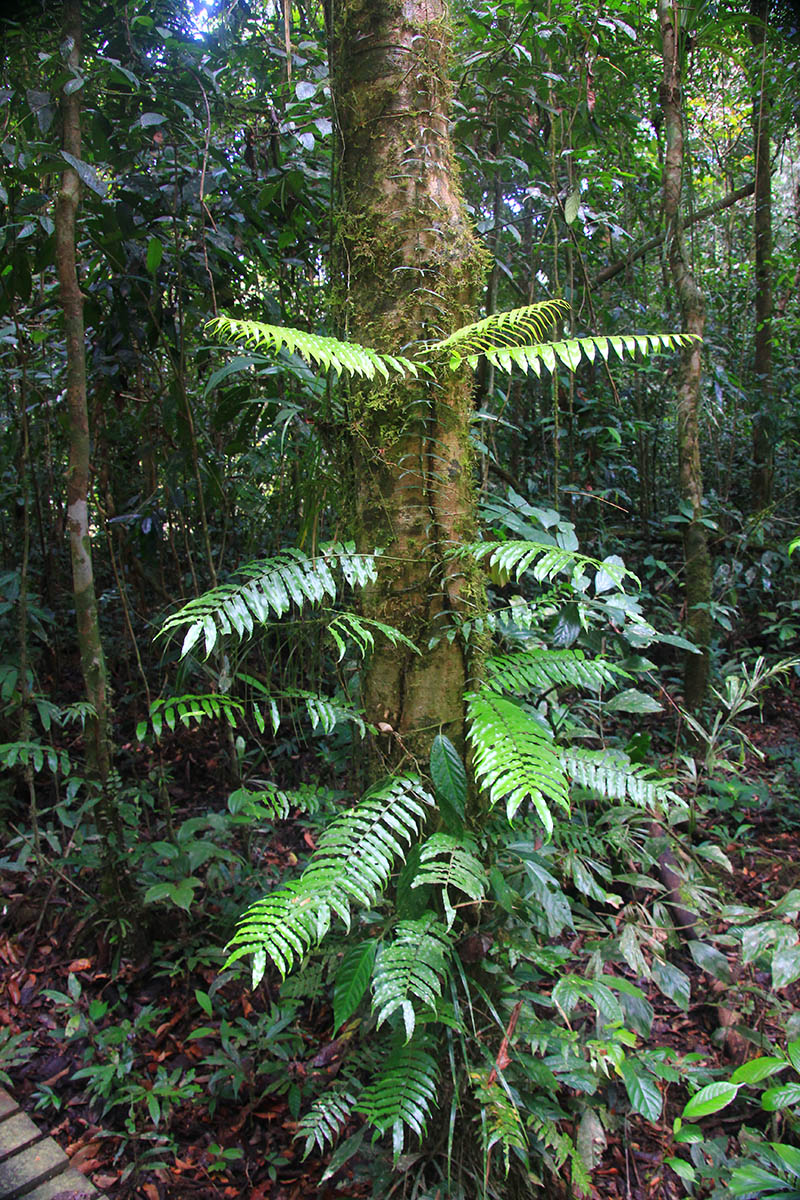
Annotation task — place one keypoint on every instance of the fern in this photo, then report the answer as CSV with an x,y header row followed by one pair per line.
x,y
539,669
269,590
501,1121
353,861
404,1093
188,708
449,862
326,1119
34,754
502,331
326,352
614,777
513,757
412,966
511,559
271,803
360,631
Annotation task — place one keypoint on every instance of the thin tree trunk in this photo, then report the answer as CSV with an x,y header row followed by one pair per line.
x,y
763,455
409,268
698,562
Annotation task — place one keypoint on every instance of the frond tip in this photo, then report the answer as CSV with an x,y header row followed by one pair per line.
x,y
329,353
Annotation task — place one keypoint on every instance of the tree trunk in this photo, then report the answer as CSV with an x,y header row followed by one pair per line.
x,y
698,561
763,437
115,884
408,268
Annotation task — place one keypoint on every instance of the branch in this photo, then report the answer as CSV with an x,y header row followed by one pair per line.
x,y
710,210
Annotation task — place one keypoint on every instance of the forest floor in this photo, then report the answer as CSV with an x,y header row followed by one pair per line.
x,y
138,1028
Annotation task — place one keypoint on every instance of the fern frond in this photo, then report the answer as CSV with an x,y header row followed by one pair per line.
x,y
500,1117
513,757
324,713
211,706
504,330
413,965
353,861
450,862
315,349
271,803
513,558
361,632
539,669
325,1120
269,590
403,1094
570,352
35,755
612,774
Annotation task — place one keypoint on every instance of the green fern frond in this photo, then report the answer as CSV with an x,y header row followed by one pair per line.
x,y
271,803
513,558
539,669
318,351
325,1120
570,352
513,757
501,331
35,755
500,1117
324,713
353,861
211,706
361,632
450,862
404,1093
269,590
412,966
615,777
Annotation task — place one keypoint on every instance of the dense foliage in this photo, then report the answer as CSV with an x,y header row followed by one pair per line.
x,y
479,929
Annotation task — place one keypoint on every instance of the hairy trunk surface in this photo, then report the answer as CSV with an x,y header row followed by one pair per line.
x,y
763,452
409,268
698,561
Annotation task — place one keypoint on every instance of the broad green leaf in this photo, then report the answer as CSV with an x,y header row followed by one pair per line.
x,y
642,1090
777,1098
86,174
757,1069
709,959
785,966
682,1168
449,778
155,252
573,203
710,1099
672,982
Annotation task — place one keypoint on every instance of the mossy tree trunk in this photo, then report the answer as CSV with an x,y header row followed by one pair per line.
x,y
408,268
697,558
763,453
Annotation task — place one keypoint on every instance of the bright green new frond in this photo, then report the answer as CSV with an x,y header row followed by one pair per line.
x,y
325,1120
353,861
615,777
513,757
500,331
404,1093
570,352
411,968
269,589
450,862
325,714
539,669
271,803
513,558
326,352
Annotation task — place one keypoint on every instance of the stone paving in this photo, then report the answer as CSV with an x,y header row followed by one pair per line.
x,y
32,1165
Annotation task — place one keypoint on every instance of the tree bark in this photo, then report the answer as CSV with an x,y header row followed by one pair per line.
x,y
763,436
408,267
697,558
78,470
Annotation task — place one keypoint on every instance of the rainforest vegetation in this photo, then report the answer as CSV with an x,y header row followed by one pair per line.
x,y
400,596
